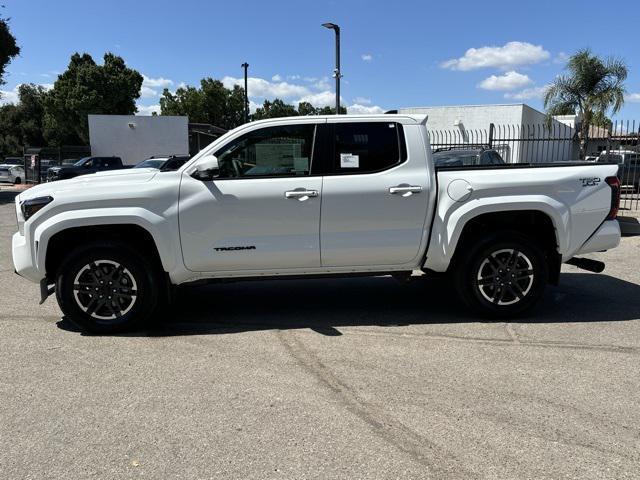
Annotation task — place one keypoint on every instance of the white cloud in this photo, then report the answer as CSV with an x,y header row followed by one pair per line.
x,y
322,84
146,92
367,57
358,109
276,78
362,100
9,96
561,58
527,94
13,96
293,77
261,88
320,99
509,81
148,109
632,97
509,55
156,82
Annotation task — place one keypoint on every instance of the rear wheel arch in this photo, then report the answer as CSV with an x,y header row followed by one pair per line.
x,y
536,225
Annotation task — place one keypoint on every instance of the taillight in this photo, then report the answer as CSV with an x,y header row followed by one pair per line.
x,y
614,183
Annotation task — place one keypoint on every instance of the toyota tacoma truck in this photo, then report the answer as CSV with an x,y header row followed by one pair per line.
x,y
305,197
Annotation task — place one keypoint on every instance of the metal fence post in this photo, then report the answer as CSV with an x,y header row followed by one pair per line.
x,y
491,129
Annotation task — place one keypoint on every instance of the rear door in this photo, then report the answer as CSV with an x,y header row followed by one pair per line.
x,y
374,200
263,212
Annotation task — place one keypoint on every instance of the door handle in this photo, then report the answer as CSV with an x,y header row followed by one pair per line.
x,y
301,195
405,190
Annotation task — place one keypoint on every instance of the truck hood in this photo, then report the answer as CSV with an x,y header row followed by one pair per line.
x,y
112,180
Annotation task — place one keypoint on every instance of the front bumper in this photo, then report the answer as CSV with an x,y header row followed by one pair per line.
x,y
23,260
607,236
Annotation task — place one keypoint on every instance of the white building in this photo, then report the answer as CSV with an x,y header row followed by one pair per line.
x,y
135,138
520,132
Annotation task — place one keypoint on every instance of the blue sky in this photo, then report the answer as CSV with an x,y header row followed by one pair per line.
x,y
394,54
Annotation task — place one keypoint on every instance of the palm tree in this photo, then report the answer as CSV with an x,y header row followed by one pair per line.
x,y
592,87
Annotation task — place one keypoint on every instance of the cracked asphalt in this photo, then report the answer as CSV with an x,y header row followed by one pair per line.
x,y
350,379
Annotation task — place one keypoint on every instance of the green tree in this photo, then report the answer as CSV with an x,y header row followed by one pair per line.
x,y
21,124
305,108
332,110
275,109
212,103
10,143
88,88
591,88
8,47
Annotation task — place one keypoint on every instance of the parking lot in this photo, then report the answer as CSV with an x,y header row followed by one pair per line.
x,y
351,378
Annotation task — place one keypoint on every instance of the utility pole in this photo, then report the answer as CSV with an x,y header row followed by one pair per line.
x,y
336,72
245,65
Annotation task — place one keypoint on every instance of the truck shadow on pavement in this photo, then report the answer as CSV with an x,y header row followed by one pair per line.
x,y
8,197
324,305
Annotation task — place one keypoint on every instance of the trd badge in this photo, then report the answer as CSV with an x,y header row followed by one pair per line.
x,y
590,181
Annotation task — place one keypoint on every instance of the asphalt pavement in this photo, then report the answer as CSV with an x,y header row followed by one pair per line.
x,y
349,379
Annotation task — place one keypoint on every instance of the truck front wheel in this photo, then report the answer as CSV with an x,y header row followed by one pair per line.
x,y
501,276
107,288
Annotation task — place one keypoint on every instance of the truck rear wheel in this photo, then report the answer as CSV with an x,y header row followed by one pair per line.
x,y
107,288
501,276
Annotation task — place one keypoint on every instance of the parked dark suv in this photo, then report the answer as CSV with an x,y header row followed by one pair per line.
x,y
466,157
628,167
84,166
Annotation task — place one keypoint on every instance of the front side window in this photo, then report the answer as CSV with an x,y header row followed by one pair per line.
x,y
367,147
273,151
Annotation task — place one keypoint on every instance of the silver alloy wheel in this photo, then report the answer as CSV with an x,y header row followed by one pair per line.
x,y
105,289
505,277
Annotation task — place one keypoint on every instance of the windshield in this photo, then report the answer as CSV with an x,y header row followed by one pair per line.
x,y
81,162
151,163
11,161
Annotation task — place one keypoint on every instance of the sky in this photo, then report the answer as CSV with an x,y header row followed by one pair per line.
x,y
395,54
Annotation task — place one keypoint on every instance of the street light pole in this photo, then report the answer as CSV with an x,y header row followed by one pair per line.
x,y
245,65
336,73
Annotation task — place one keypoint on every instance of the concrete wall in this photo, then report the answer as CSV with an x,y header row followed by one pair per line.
x,y
135,138
518,134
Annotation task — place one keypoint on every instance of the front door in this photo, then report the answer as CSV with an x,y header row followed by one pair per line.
x,y
263,212
375,198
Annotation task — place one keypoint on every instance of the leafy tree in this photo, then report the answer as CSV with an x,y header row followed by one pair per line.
x,y
10,143
87,88
275,109
211,103
332,110
21,124
305,108
591,88
8,48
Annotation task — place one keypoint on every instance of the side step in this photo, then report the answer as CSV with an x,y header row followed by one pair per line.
x,y
594,266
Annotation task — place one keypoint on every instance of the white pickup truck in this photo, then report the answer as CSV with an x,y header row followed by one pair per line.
x,y
311,196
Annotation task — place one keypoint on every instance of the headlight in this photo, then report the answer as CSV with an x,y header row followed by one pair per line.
x,y
31,206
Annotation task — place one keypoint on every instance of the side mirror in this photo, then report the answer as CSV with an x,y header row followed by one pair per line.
x,y
207,169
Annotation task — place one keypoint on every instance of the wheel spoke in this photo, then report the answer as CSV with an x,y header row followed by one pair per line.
x,y
495,263
516,291
488,280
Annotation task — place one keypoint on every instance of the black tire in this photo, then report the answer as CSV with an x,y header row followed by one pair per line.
x,y
93,266
17,181
502,287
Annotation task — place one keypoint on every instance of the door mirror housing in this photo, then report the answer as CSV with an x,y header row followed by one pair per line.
x,y
207,169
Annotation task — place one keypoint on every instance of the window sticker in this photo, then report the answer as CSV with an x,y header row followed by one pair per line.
x,y
348,160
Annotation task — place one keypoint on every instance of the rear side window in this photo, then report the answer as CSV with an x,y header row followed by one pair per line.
x,y
367,147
